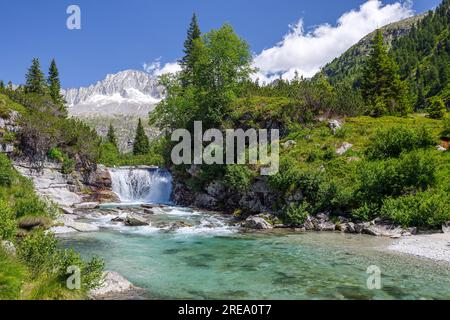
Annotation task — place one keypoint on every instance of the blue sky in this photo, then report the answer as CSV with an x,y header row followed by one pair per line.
x,y
119,35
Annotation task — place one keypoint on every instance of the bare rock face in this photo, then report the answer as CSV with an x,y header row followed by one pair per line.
x,y
203,200
344,148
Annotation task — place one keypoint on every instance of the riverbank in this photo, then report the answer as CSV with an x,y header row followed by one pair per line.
x,y
432,246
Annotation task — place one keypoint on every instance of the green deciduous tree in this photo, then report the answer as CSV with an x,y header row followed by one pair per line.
x,y
35,81
141,144
381,86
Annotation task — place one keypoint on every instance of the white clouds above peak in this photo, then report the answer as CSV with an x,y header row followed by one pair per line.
x,y
307,52
156,69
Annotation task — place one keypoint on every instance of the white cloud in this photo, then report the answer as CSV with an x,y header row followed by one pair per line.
x,y
155,68
307,52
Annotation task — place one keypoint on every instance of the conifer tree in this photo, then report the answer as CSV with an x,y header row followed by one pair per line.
x,y
10,86
188,61
54,85
381,86
2,85
35,81
111,136
141,144
436,108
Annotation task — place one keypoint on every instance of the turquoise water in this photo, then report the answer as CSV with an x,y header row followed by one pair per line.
x,y
209,260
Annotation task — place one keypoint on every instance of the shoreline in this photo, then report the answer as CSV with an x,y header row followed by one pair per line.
x,y
434,247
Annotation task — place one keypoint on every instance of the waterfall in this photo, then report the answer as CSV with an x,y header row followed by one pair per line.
x,y
142,185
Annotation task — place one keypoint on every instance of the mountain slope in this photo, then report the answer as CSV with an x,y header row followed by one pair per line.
x,y
349,65
120,99
421,47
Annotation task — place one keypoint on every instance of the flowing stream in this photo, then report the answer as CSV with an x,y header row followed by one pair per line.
x,y
206,256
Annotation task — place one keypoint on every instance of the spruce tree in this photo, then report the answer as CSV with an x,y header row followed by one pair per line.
x,y
189,59
381,86
35,81
2,85
141,144
54,85
111,136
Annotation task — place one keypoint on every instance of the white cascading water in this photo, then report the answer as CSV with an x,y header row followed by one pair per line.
x,y
142,185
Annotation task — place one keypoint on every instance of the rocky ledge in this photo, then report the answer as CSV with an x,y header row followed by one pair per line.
x,y
116,287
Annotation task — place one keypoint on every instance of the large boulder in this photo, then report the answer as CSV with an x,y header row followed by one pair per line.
x,y
133,220
325,226
87,205
334,125
257,223
203,200
115,287
82,227
216,189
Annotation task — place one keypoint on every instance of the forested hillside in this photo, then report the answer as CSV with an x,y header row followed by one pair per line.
x,y
420,46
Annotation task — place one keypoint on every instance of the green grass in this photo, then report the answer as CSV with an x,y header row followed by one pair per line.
x,y
12,275
7,105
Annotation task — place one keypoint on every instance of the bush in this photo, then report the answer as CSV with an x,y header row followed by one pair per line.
x,y
6,171
40,253
366,212
425,209
392,142
8,224
415,171
238,177
436,108
296,215
446,131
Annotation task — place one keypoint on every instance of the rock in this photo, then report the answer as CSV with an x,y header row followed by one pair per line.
x,y
216,189
325,226
257,223
178,225
324,216
344,148
113,283
82,227
203,200
441,148
61,230
383,230
194,170
359,227
87,205
289,144
133,220
118,219
446,227
29,223
350,228
309,223
149,211
67,210
334,125
9,247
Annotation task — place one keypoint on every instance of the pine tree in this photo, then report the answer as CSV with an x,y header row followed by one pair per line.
x,y
111,136
381,86
54,85
141,144
188,61
35,81
2,85
436,108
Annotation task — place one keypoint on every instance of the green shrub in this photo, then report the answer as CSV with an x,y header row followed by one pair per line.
x,y
6,171
8,224
415,171
425,209
436,108
446,131
55,154
39,251
392,142
109,155
366,212
296,215
238,177
29,204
